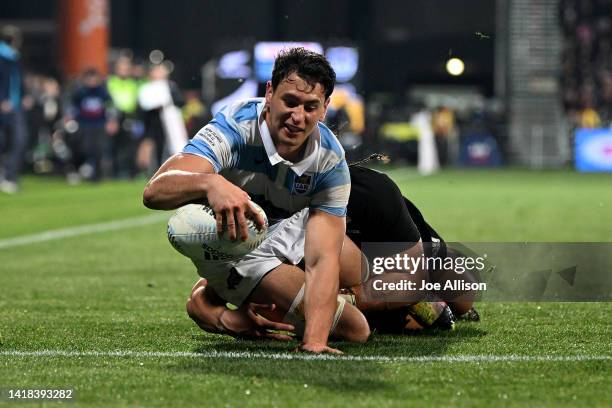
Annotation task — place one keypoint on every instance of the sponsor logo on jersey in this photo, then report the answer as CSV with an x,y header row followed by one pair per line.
x,y
301,185
211,137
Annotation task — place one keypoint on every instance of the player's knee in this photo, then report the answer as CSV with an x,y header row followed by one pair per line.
x,y
200,283
192,303
190,309
352,326
360,333
348,323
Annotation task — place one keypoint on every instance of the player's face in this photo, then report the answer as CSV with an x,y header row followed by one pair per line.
x,y
294,108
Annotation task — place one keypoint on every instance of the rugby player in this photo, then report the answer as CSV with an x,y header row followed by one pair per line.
x,y
377,212
276,152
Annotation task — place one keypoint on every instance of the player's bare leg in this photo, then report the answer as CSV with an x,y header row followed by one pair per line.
x,y
417,315
352,265
277,298
282,287
461,303
211,314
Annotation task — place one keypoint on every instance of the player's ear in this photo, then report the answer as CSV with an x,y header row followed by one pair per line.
x,y
268,92
325,105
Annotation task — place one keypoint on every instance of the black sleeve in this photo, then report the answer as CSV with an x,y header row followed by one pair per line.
x,y
402,226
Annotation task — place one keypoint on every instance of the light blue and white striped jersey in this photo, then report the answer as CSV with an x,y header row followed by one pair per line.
x,y
239,146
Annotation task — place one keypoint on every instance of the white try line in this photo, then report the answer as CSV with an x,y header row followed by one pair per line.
x,y
82,230
247,355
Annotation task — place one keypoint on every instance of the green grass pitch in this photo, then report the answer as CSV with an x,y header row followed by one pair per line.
x,y
99,302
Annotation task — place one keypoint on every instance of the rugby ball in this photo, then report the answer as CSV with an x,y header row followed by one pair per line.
x,y
192,231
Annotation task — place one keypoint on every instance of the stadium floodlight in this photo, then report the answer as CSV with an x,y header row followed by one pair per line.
x,y
156,57
455,66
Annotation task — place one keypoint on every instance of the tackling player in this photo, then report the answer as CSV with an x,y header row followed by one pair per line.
x,y
379,213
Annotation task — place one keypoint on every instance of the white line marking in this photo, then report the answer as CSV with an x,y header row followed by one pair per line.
x,y
295,356
82,230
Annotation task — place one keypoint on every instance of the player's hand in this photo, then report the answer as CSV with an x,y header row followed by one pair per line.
x,y
317,348
266,327
247,323
232,204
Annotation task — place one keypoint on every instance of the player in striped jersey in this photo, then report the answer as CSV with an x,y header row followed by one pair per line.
x,y
276,152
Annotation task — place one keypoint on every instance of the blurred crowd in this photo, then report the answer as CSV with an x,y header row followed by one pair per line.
x,y
587,61
92,127
96,127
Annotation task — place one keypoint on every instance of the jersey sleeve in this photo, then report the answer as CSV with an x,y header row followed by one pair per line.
x,y
219,142
332,190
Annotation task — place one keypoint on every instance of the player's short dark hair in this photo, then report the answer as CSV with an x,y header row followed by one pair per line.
x,y
308,65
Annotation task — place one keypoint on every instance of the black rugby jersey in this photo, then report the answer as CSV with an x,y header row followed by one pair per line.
x,y
378,212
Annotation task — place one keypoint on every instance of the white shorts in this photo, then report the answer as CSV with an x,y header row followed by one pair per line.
x,y
234,281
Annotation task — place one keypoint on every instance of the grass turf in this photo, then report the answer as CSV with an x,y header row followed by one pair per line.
x,y
125,291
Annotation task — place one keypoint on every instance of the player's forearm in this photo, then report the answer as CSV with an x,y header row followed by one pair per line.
x,y
174,188
320,300
218,320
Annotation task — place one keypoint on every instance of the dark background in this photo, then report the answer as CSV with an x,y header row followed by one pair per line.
x,y
402,42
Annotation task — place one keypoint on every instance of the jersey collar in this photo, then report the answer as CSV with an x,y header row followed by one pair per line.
x,y
314,141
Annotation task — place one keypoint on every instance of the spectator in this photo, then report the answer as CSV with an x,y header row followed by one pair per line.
x,y
123,90
156,98
446,135
90,109
49,104
587,61
13,131
138,72
45,151
195,113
